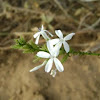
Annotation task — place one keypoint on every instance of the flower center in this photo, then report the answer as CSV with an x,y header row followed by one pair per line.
x,y
52,56
39,29
61,40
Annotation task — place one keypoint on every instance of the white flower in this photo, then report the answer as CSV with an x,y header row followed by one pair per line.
x,y
61,40
52,57
53,73
43,33
36,68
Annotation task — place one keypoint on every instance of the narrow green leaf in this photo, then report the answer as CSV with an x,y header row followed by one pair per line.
x,y
64,58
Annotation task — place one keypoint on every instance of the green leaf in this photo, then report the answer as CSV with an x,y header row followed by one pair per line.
x,y
36,58
28,51
16,46
65,58
33,45
44,48
27,47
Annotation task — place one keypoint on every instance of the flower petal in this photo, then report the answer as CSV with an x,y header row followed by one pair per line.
x,y
57,48
59,33
48,32
36,34
37,39
49,65
45,36
69,36
37,67
43,54
58,65
54,41
50,47
66,47
42,28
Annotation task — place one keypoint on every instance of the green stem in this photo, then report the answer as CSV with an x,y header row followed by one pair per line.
x,y
83,53
30,47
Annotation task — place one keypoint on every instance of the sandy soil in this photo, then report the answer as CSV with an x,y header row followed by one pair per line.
x,y
81,77
79,81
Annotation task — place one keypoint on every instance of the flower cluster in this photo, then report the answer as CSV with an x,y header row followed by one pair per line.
x,y
53,46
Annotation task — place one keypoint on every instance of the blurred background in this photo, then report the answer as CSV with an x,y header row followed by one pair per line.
x,y
81,77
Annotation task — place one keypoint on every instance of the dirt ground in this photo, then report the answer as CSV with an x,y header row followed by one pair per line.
x,y
79,81
81,77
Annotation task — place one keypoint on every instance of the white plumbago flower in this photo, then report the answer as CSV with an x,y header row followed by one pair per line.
x,y
43,33
36,68
62,40
52,57
53,72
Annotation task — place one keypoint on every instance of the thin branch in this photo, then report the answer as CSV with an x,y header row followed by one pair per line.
x,y
82,20
22,33
93,25
68,15
5,48
96,23
24,10
84,53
